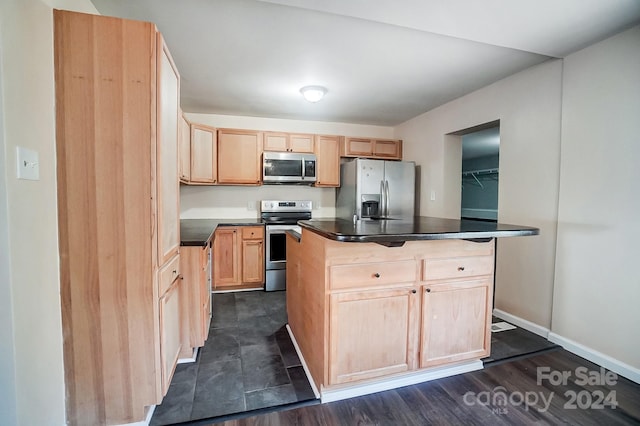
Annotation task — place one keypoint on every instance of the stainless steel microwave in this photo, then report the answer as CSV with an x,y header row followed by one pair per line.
x,y
288,168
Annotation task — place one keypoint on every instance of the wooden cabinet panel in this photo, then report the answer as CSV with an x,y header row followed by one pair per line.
x,y
204,162
283,142
372,334
195,296
168,94
184,143
387,149
239,157
457,267
456,319
252,261
117,115
225,257
170,342
373,274
276,142
168,274
238,257
328,160
301,143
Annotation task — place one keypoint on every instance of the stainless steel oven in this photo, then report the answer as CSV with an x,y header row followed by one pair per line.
x,y
280,216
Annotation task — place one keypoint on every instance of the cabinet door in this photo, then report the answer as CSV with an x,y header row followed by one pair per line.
x,y
387,149
372,333
167,155
203,154
253,261
225,257
184,142
356,147
278,142
239,157
170,344
328,155
301,143
456,320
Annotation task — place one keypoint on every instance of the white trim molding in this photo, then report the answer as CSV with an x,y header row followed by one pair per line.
x,y
304,363
522,323
603,360
398,381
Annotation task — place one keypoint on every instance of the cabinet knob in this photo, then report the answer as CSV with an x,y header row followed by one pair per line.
x,y
413,291
460,268
377,275
428,290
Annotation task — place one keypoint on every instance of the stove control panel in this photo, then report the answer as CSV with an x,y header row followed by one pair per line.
x,y
285,206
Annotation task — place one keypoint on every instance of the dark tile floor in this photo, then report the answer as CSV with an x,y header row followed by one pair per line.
x,y
247,363
508,345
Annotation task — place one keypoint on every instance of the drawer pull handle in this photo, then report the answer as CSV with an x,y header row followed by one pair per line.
x,y
460,268
413,291
428,290
377,275
175,271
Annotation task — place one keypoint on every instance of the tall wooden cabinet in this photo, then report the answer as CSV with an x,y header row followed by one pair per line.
x,y
327,150
117,112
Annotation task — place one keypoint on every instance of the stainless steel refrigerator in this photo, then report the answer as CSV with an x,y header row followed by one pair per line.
x,y
376,189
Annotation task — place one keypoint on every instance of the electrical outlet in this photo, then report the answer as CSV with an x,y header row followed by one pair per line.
x,y
251,205
433,195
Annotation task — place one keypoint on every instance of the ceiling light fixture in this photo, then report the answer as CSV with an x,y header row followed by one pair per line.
x,y
313,93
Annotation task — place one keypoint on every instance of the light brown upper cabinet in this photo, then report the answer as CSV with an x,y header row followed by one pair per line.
x,y
283,142
239,157
184,149
204,161
388,149
327,149
117,121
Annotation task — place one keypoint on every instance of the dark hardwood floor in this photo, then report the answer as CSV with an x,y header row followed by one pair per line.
x,y
513,392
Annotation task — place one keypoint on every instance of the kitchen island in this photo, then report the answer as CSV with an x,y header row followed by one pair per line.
x,y
379,304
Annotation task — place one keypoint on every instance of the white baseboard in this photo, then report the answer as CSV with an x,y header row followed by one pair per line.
x,y
596,357
399,381
522,323
304,363
194,355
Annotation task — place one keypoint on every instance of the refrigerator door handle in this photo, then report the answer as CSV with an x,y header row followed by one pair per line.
x,y
386,198
383,205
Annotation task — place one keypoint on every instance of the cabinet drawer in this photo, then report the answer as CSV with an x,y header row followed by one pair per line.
x,y
456,267
252,232
372,274
168,275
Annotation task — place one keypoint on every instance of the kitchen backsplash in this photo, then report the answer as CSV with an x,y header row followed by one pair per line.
x,y
217,202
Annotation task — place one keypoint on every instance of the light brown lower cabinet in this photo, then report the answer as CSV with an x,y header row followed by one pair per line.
x,y
170,332
454,321
196,296
387,311
372,333
238,257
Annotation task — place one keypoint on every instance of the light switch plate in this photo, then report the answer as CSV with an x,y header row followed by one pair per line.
x,y
28,166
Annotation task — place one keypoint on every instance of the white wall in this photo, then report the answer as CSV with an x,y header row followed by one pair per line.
x,y
243,201
597,287
31,223
528,105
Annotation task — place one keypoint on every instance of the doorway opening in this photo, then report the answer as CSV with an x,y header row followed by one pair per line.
x,y
480,172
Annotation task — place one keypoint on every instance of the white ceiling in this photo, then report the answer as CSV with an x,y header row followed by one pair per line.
x,y
382,61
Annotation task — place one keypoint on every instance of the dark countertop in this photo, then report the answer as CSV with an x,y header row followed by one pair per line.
x,y
391,231
196,232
